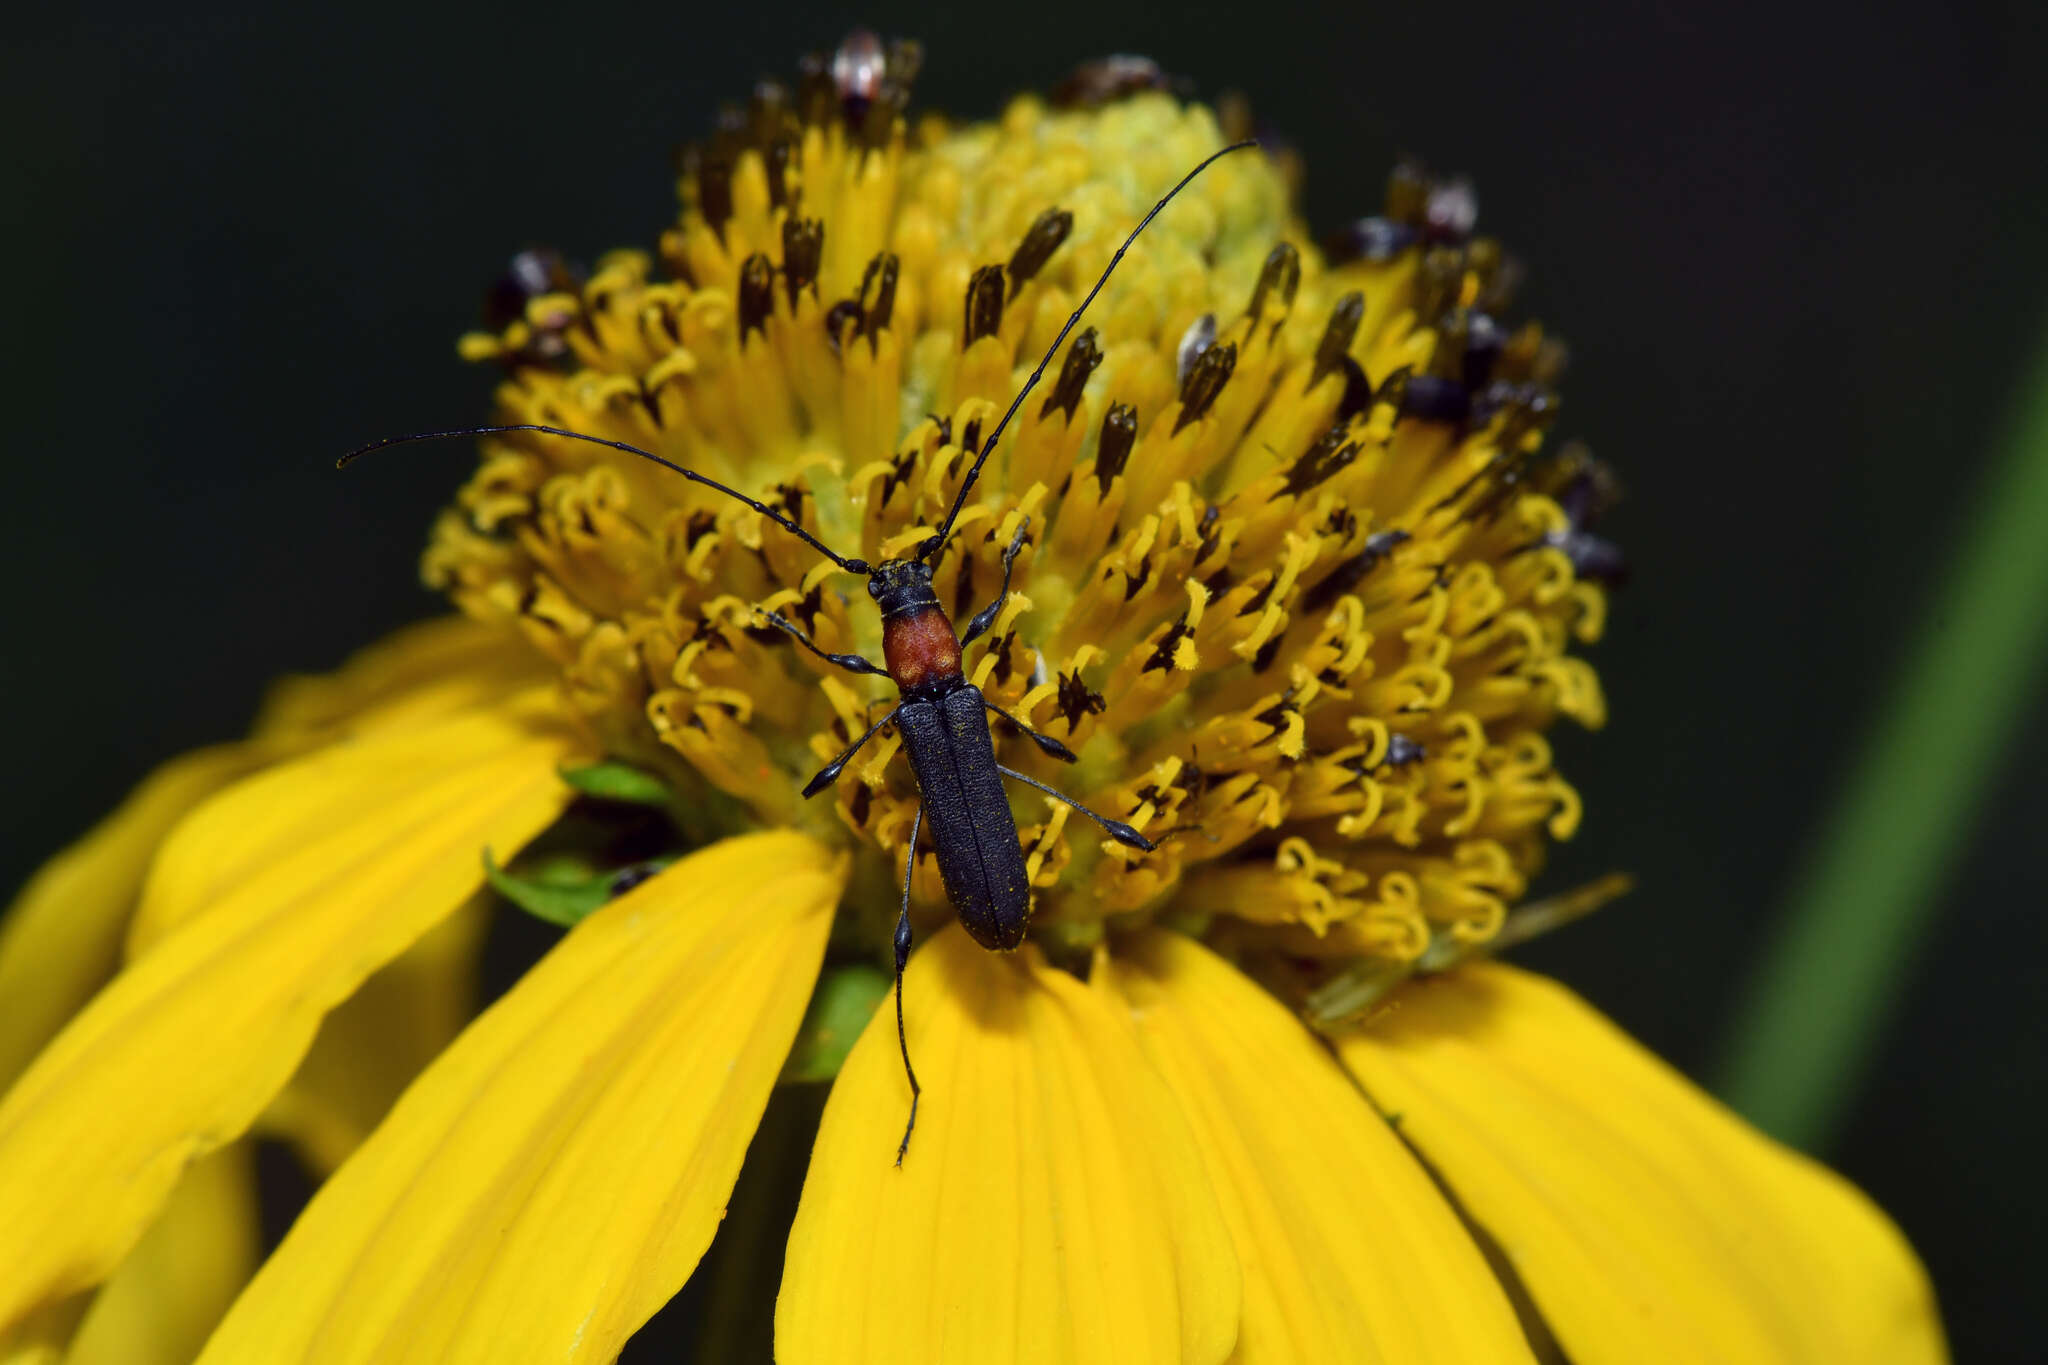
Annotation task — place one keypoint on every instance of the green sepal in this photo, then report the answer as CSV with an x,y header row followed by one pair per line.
x,y
614,781
557,902
562,890
1346,998
845,999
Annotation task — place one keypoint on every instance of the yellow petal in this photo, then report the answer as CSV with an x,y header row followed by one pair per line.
x,y
376,1041
1647,1221
341,799
42,1337
165,1299
1052,1208
553,1178
179,1053
61,939
420,672
19,1349
1349,1250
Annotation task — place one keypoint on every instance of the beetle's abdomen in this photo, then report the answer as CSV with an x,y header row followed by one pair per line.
x,y
921,648
968,814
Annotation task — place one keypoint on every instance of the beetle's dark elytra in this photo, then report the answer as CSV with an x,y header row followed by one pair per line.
x,y
973,833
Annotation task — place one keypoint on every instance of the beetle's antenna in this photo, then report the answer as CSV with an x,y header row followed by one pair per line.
x,y
859,566
931,547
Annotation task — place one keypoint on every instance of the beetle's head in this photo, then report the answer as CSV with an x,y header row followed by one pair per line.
x,y
901,585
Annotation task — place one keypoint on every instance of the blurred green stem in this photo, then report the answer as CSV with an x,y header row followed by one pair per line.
x,y
1821,997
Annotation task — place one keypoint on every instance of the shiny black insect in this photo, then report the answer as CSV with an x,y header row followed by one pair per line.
x,y
942,717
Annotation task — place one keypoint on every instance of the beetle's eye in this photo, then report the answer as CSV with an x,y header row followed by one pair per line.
x,y
874,587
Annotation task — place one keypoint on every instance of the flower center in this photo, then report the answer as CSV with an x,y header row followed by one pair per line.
x,y
1299,578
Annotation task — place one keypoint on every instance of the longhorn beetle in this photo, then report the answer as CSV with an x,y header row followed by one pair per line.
x,y
940,715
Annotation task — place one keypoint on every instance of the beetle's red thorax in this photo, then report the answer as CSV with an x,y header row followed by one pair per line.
x,y
921,648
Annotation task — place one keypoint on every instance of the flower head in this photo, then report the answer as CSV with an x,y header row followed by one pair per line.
x,y
1294,573
1294,583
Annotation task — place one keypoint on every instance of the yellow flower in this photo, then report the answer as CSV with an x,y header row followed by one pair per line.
x,y
1299,586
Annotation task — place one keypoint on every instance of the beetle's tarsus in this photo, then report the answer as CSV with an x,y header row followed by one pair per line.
x,y
1115,829
1044,741
829,774
1124,834
986,617
852,663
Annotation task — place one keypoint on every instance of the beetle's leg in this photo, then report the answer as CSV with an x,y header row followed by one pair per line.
x,y
986,617
852,663
902,958
829,774
1115,829
1042,740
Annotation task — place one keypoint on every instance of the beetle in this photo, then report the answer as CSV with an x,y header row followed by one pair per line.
x,y
941,717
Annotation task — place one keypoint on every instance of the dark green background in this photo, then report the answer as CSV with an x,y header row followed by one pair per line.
x,y
1798,252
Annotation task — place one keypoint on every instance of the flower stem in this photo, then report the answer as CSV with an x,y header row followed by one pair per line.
x,y
1820,998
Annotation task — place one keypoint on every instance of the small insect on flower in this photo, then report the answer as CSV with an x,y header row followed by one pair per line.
x,y
941,717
